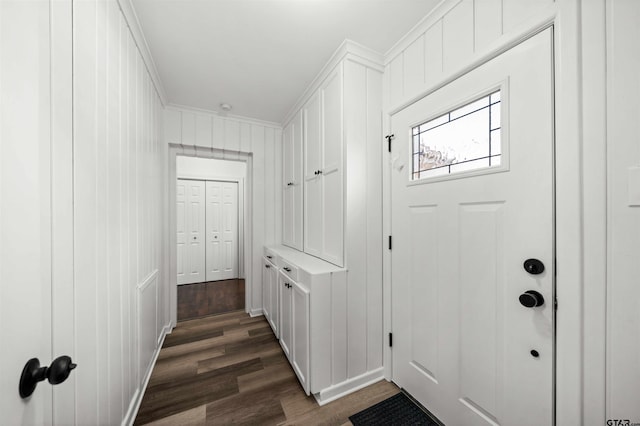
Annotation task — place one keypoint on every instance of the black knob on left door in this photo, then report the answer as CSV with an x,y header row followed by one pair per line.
x,y
531,299
32,374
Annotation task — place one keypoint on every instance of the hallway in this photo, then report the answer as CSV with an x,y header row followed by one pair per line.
x,y
229,369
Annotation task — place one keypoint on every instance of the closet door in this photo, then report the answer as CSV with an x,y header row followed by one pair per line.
x,y
222,230
332,168
190,231
313,214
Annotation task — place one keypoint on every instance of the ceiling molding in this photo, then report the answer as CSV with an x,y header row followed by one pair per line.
x,y
348,49
129,13
240,118
420,28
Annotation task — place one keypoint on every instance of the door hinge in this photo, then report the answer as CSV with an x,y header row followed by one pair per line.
x,y
389,137
555,303
389,242
390,340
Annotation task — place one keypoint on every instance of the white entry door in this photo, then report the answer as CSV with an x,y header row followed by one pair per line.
x,y
222,230
190,205
464,344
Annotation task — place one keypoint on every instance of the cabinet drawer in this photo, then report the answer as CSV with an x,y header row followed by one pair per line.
x,y
289,269
270,255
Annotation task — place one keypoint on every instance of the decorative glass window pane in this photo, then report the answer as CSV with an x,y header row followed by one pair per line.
x,y
467,138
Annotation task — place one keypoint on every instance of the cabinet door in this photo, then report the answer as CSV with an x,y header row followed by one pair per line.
x,y
313,223
292,183
274,320
287,189
266,289
298,178
285,314
333,169
300,330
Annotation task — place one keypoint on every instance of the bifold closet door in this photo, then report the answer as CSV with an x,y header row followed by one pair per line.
x,y
222,230
190,205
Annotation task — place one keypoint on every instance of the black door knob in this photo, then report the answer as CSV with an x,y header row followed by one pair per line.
x,y
533,266
531,299
32,374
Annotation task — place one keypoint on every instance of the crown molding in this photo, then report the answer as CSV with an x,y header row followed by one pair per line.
x,y
131,18
348,49
233,117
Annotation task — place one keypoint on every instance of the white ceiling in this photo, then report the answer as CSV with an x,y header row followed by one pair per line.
x,y
260,55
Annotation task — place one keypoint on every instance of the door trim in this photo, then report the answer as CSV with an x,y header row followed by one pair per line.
x,y
245,256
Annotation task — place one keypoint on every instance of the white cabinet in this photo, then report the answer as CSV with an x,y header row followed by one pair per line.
x,y
300,331
293,183
294,336
286,335
323,171
312,179
270,295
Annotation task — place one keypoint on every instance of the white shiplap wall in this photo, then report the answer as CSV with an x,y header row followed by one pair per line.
x,y
232,137
450,39
120,295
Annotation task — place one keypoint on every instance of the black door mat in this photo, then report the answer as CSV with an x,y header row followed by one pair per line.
x,y
398,410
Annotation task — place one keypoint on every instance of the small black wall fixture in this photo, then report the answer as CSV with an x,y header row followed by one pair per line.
x,y
32,373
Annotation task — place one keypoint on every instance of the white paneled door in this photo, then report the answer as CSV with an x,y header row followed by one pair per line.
x,y
25,207
190,207
469,342
222,230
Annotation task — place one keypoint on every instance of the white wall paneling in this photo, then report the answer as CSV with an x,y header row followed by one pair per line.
x,y
204,130
623,212
455,37
118,174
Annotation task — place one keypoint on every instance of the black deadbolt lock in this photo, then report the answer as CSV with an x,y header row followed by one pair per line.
x,y
533,266
32,373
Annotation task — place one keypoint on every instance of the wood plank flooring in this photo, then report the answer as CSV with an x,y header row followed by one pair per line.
x,y
210,298
229,369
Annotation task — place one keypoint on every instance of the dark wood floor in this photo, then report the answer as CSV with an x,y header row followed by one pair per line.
x,y
229,369
210,298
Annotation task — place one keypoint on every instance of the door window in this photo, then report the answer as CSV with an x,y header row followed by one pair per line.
x,y
466,138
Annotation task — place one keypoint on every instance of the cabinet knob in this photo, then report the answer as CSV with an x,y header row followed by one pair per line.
x,y
267,266
290,184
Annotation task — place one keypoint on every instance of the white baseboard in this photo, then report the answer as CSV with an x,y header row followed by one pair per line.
x,y
349,386
134,405
256,312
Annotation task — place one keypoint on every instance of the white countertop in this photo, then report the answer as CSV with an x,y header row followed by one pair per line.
x,y
309,263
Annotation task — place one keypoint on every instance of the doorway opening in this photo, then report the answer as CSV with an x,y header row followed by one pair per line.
x,y
208,199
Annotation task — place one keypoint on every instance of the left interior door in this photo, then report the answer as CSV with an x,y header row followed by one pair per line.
x,y
25,205
190,200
